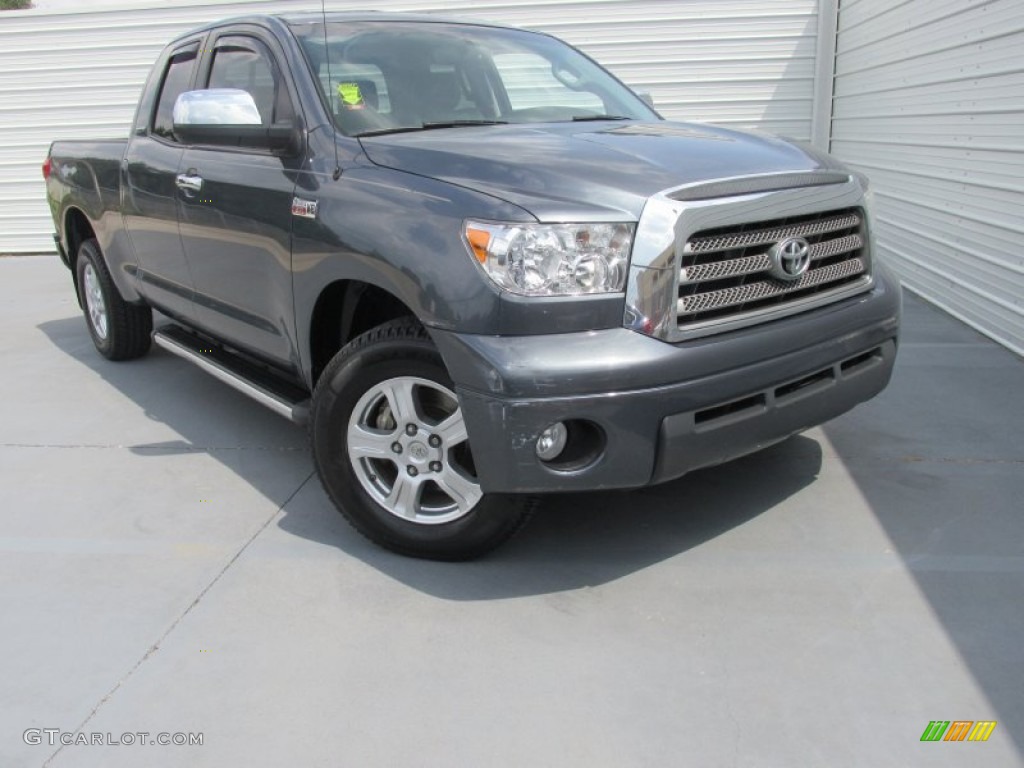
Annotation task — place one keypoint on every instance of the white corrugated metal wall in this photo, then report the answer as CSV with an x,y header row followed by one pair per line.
x,y
929,102
747,63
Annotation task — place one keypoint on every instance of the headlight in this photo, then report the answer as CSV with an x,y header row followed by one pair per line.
x,y
552,259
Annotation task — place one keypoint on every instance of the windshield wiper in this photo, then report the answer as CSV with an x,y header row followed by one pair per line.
x,y
459,123
584,118
429,127
385,131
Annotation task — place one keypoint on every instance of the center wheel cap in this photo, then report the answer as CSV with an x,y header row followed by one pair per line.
x,y
418,452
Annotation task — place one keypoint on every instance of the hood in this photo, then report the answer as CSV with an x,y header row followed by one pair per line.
x,y
587,171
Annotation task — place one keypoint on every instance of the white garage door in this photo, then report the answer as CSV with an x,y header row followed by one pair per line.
x,y
78,74
929,102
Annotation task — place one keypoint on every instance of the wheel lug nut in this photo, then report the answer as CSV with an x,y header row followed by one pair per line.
x,y
434,441
413,471
410,429
396,447
435,466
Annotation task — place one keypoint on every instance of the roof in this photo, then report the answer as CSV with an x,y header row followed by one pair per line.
x,y
311,17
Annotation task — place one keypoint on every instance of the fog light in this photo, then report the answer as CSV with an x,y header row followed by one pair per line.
x,y
552,441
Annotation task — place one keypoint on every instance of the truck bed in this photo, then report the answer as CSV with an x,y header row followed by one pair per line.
x,y
88,176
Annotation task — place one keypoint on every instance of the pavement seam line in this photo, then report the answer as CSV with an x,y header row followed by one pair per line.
x,y
156,646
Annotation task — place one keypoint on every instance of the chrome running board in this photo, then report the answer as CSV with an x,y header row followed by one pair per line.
x,y
280,397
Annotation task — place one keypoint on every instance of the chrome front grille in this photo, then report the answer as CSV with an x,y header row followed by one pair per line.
x,y
766,289
725,272
723,242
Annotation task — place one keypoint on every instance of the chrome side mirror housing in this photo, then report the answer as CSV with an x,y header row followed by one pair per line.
x,y
228,117
215,106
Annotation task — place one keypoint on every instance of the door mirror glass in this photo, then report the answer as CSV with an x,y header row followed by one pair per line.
x,y
228,117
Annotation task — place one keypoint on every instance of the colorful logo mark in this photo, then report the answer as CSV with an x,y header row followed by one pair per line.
x,y
351,95
958,730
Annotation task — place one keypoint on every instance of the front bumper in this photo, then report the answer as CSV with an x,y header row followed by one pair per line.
x,y
666,409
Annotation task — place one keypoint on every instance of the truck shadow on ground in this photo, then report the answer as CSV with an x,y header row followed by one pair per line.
x,y
582,540
574,540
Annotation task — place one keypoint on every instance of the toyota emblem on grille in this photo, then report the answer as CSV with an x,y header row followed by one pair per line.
x,y
790,258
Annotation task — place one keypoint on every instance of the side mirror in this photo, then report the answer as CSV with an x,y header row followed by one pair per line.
x,y
646,98
228,117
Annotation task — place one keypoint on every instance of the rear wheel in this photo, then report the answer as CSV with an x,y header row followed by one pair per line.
x,y
119,330
392,451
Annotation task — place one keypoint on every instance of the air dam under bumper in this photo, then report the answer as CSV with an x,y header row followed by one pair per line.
x,y
666,409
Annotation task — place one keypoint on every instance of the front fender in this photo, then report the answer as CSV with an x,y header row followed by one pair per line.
x,y
401,233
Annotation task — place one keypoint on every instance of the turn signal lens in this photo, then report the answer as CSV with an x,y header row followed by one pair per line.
x,y
478,240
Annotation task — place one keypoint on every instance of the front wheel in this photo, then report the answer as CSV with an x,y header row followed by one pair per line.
x,y
392,451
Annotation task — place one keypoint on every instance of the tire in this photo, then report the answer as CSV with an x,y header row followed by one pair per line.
x,y
391,450
120,331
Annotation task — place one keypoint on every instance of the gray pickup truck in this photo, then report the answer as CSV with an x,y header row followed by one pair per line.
x,y
478,265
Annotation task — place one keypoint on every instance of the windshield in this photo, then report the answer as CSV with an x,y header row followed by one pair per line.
x,y
393,76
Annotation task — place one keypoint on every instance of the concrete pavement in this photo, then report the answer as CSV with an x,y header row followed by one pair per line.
x,y
169,563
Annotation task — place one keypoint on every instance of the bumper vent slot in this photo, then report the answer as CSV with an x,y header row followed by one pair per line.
x,y
809,385
860,361
754,402
725,275
801,385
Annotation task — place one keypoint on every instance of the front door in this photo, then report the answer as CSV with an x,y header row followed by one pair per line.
x,y
236,222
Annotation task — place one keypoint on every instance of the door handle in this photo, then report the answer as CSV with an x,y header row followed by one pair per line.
x,y
188,183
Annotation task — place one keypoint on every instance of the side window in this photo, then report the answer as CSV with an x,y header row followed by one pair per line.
x,y
251,68
176,80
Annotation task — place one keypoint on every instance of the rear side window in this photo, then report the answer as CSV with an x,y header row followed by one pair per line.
x,y
176,81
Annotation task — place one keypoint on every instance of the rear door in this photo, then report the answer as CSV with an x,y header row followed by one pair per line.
x,y
148,186
236,229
